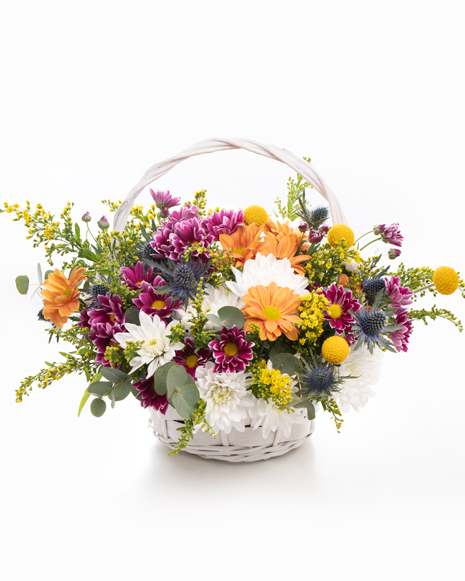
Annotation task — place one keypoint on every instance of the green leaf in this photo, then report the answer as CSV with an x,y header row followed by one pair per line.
x,y
77,231
182,392
47,272
98,407
135,393
86,253
231,316
160,377
85,397
122,390
214,319
22,284
286,363
279,348
100,388
39,273
309,407
132,316
112,398
96,377
114,375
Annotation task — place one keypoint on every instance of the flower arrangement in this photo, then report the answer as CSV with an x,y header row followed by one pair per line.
x,y
232,317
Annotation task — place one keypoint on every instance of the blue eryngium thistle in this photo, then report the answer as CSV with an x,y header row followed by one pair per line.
x,y
318,382
369,328
318,215
182,279
372,286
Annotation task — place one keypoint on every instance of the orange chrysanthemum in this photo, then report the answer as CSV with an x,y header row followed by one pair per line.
x,y
273,309
243,244
61,296
285,229
284,247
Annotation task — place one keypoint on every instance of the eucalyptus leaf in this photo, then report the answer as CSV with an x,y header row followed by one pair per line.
x,y
286,363
214,319
279,348
98,407
308,406
182,392
39,273
132,316
160,377
114,375
112,398
22,284
100,388
231,316
85,397
47,273
122,390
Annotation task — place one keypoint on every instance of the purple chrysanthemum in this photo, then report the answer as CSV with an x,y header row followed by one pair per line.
x,y
110,310
152,303
400,296
134,276
102,336
224,222
390,234
338,311
149,397
191,359
400,337
164,200
172,239
232,352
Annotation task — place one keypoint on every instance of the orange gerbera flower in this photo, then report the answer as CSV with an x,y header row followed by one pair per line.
x,y
61,296
243,244
272,308
285,247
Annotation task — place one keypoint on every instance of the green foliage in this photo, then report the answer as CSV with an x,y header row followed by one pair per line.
x,y
98,407
22,284
160,377
187,430
330,405
84,399
286,363
305,403
326,263
295,191
182,393
228,317
433,314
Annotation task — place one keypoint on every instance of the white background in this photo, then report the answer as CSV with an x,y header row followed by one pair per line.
x,y
93,93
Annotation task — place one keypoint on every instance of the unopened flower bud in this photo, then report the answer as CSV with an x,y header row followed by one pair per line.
x,y
164,212
394,253
103,223
303,226
86,217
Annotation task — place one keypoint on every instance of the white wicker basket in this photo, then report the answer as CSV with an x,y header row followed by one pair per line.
x,y
250,445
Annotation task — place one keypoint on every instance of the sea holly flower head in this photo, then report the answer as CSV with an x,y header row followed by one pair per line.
x,y
389,234
232,352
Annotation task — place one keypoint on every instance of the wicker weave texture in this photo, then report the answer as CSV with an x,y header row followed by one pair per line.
x,y
246,446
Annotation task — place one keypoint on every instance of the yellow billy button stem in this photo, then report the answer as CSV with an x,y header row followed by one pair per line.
x,y
335,349
255,215
445,280
338,232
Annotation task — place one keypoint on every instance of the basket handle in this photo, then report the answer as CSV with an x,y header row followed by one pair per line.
x,y
296,163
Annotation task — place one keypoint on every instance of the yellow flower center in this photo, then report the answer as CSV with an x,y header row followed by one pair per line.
x,y
335,311
191,361
112,317
239,250
138,283
67,292
158,305
230,349
271,313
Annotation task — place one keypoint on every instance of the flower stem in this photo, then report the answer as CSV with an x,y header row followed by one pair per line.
x,y
363,235
423,288
375,240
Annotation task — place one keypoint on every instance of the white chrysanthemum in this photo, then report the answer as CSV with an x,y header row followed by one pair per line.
x,y
156,348
367,368
227,398
271,418
213,300
265,270
351,265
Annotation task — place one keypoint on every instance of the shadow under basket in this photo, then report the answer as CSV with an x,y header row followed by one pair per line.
x,y
246,446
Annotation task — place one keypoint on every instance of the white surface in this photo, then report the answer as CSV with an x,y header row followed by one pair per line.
x,y
96,93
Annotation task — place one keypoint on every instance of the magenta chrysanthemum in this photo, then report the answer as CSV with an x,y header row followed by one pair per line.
x,y
400,337
338,311
110,310
224,222
149,397
152,303
164,200
232,352
134,276
390,234
191,359
400,296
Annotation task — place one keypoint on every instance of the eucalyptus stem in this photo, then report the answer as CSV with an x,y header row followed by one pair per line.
x,y
375,240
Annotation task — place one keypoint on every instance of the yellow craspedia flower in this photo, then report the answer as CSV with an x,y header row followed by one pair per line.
x,y
255,215
335,349
446,280
339,231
